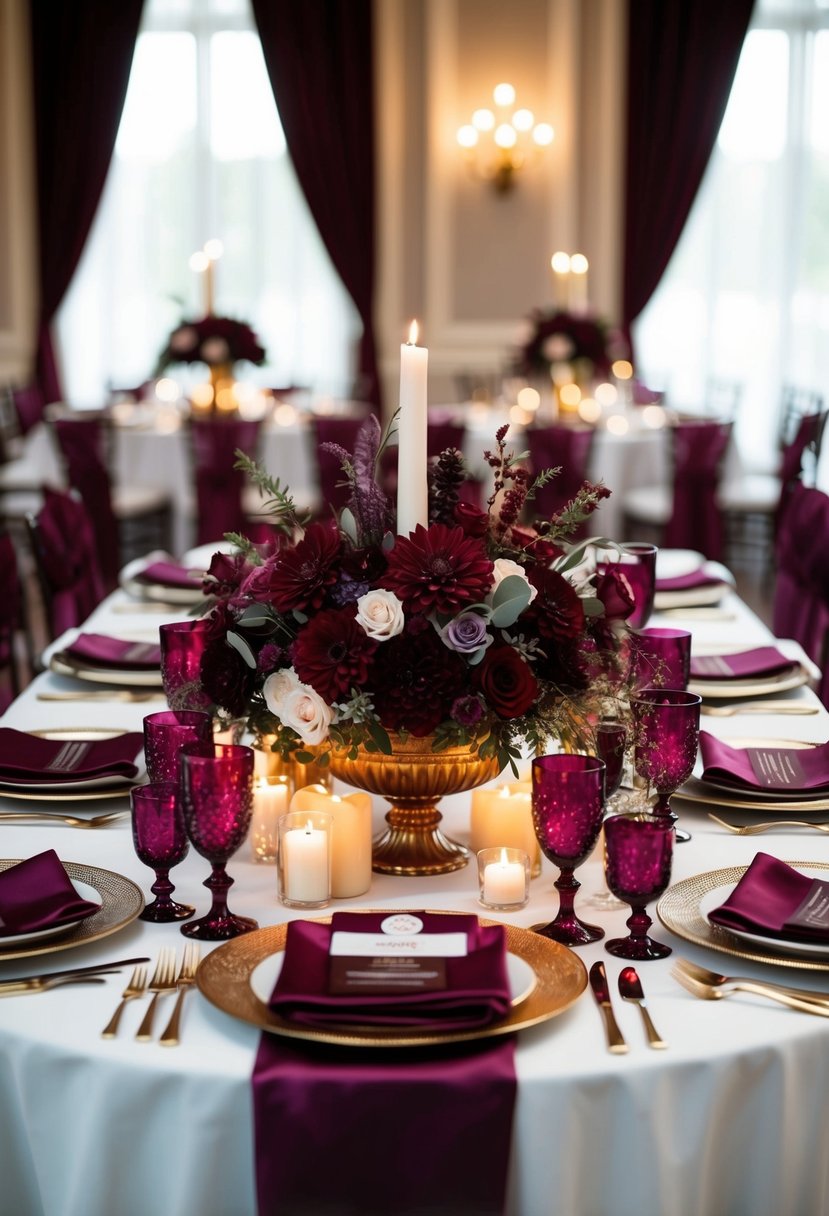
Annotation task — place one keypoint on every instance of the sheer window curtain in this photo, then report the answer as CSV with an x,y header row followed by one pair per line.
x,y
746,294
200,153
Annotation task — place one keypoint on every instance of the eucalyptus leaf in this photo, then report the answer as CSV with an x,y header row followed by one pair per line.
x,y
348,524
238,643
256,615
592,606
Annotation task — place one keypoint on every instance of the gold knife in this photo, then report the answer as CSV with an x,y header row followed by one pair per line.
x,y
601,991
40,983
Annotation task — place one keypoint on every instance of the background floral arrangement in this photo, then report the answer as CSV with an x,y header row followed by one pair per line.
x,y
473,630
211,340
554,336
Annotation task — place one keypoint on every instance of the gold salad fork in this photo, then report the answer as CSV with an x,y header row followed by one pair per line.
x,y
186,979
96,821
753,829
163,981
711,986
136,987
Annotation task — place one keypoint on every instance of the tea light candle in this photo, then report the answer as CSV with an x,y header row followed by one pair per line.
x,y
350,836
503,816
304,862
270,802
503,876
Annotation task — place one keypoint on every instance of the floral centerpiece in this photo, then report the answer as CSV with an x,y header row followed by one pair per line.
x,y
220,342
556,337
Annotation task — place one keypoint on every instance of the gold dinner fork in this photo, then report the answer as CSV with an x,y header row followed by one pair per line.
x,y
163,981
186,979
753,829
96,821
136,987
712,986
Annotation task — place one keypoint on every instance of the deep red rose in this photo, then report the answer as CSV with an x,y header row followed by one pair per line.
x,y
506,682
437,569
473,521
333,653
301,576
415,682
557,610
225,574
616,593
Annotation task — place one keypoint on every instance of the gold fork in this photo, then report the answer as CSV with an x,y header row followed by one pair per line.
x,y
186,979
722,985
163,981
96,821
759,707
707,993
136,987
753,829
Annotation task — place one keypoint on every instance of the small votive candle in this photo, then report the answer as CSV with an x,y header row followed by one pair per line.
x,y
304,860
270,803
503,878
503,816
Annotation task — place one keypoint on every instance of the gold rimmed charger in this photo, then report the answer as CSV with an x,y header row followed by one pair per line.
x,y
94,793
63,664
224,977
121,902
680,911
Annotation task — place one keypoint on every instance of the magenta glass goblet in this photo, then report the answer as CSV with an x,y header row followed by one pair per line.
x,y
567,808
638,852
666,736
182,645
166,733
637,562
217,799
660,658
160,843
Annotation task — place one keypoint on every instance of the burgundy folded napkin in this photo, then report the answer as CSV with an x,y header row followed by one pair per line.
x,y
742,665
171,574
38,894
692,581
29,759
774,900
316,989
99,650
778,769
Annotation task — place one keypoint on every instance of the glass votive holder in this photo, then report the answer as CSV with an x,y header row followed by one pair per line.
x,y
304,859
503,878
271,796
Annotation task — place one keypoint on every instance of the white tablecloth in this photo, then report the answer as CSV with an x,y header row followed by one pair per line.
x,y
729,1121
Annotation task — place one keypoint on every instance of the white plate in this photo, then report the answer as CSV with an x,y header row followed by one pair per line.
x,y
719,895
764,792
694,597
157,591
40,935
522,978
200,558
675,563
759,686
63,664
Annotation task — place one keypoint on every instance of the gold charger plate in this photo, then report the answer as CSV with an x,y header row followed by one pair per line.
x,y
727,690
224,978
62,664
83,733
121,903
679,911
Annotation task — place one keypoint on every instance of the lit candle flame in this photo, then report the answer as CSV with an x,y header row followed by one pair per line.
x,y
309,827
413,332
504,857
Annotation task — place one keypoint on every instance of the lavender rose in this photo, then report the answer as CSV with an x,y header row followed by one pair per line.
x,y
466,633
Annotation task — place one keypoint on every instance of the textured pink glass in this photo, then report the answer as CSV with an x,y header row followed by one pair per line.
x,y
638,853
160,843
217,799
637,562
166,733
611,741
666,734
567,806
660,658
182,645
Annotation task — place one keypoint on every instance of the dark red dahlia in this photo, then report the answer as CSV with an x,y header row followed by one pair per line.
x,y
226,678
333,653
506,682
301,576
438,569
557,610
415,682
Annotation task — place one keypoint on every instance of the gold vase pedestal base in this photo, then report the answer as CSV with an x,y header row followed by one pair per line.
x,y
414,844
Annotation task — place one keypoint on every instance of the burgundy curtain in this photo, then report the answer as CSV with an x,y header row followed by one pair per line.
x,y
319,55
81,58
682,56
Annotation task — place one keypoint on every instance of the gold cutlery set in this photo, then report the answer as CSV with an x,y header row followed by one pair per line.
x,y
165,981
630,990
710,986
94,974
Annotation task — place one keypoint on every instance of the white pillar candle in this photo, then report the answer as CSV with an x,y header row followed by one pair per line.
x,y
350,836
505,882
412,487
503,817
305,865
270,803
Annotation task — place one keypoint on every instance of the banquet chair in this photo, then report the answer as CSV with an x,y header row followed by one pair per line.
x,y
568,448
65,553
684,513
13,631
800,607
222,504
128,520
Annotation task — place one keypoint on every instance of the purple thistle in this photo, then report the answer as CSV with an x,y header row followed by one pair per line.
x,y
368,502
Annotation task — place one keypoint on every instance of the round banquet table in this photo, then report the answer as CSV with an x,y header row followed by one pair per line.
x,y
730,1120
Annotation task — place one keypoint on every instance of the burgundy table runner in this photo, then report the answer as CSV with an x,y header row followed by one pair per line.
x,y
27,758
775,900
744,665
38,894
99,650
777,769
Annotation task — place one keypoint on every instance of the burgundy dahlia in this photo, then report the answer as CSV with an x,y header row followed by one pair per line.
x,y
438,569
301,576
226,678
557,611
333,653
415,683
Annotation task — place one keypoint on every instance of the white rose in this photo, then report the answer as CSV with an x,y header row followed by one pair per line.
x,y
558,348
380,613
184,340
276,688
215,350
298,706
504,567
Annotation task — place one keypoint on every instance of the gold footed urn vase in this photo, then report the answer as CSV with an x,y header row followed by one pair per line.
x,y
413,779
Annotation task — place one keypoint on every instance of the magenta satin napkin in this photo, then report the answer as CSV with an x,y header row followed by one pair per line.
x,y
778,769
171,574
30,759
476,992
38,894
99,650
689,582
742,665
774,900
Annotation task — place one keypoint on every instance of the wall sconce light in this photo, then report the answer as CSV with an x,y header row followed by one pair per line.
x,y
497,143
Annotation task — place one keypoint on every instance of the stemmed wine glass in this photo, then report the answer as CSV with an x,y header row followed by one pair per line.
x,y
567,806
611,746
160,843
637,562
660,657
638,852
666,733
217,798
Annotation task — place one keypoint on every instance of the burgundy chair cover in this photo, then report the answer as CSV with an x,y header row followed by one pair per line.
x,y
11,619
342,431
29,405
219,486
82,442
808,437
801,594
556,446
68,560
696,522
